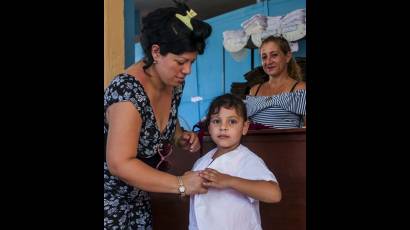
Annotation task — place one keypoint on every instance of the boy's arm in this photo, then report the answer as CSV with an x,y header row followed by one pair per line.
x,y
265,191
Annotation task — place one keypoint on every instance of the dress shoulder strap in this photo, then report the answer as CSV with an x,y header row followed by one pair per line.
x,y
293,87
257,90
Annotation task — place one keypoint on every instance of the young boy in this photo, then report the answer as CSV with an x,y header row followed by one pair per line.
x,y
236,177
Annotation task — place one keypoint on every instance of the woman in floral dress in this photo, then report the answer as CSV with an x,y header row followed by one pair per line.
x,y
140,119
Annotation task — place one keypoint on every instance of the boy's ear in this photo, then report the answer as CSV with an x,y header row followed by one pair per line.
x,y
245,128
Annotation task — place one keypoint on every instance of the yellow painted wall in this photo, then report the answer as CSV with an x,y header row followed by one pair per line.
x,y
113,39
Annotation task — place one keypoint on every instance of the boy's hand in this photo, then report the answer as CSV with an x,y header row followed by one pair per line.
x,y
215,179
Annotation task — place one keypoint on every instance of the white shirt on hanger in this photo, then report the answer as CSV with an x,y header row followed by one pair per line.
x,y
227,209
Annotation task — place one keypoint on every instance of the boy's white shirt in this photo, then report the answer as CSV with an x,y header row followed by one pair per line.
x,y
225,209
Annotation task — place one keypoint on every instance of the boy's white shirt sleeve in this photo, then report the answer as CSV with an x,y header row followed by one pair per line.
x,y
254,168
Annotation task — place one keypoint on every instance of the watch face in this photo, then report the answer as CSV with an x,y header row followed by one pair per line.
x,y
181,189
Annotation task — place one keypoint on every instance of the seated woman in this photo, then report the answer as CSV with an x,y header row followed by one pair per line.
x,y
279,102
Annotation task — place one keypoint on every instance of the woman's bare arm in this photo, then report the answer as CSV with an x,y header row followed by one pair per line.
x,y
123,136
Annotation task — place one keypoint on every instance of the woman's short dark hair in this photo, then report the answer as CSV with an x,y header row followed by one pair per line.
x,y
227,101
163,28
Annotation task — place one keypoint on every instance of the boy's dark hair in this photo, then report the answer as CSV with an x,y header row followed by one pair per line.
x,y
163,28
227,101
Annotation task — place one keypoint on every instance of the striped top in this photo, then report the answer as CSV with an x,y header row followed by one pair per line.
x,y
285,110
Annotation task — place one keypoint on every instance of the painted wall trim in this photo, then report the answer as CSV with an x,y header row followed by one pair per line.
x,y
113,39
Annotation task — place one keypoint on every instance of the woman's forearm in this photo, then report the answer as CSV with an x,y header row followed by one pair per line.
x,y
138,174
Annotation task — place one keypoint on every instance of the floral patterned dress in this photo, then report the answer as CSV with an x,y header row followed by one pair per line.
x,y
127,207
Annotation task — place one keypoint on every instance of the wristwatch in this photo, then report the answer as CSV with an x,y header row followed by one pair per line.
x,y
181,187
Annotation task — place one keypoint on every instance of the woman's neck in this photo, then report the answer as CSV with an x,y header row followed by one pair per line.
x,y
276,85
279,79
153,78
149,77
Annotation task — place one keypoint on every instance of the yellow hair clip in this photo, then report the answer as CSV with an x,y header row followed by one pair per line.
x,y
187,18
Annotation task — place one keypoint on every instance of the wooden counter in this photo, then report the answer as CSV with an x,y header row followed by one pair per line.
x,y
284,152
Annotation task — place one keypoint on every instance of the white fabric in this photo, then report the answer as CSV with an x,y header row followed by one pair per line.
x,y
294,46
228,209
195,99
234,40
273,22
240,55
295,32
295,17
255,24
257,41
293,25
273,28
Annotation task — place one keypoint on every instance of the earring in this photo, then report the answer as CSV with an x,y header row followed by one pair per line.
x,y
155,62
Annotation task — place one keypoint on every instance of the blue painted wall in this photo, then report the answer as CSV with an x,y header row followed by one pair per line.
x,y
215,70
129,32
